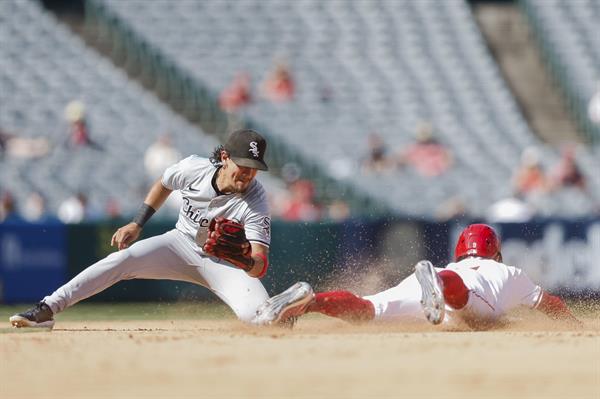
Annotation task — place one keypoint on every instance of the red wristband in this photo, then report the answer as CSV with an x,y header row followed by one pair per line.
x,y
265,265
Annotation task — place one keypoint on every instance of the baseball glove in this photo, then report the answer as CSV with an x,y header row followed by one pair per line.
x,y
227,240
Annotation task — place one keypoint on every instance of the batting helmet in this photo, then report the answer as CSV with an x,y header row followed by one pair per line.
x,y
478,240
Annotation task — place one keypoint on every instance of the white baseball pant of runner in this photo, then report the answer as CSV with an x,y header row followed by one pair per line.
x,y
403,302
170,256
399,303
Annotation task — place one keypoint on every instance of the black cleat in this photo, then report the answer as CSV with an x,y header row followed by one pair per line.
x,y
39,316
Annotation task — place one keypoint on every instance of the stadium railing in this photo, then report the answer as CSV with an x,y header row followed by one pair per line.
x,y
559,67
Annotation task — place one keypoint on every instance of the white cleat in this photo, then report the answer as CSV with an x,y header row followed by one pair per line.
x,y
283,308
432,296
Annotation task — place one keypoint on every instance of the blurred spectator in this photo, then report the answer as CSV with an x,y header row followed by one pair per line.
x,y
510,210
4,137
74,209
22,147
237,94
34,208
594,107
427,155
159,156
79,135
279,85
376,160
8,208
278,200
113,209
530,177
301,206
290,172
566,173
338,210
453,208
344,167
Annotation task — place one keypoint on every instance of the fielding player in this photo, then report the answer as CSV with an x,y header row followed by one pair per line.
x,y
477,289
221,240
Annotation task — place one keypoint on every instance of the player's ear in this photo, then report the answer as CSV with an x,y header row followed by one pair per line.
x,y
224,156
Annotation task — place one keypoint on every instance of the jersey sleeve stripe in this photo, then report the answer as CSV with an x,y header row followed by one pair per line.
x,y
266,244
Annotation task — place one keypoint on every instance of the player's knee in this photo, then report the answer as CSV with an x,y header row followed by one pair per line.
x,y
456,293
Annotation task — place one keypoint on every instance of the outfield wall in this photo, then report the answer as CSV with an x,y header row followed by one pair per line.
x,y
563,256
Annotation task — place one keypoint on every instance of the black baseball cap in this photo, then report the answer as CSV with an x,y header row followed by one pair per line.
x,y
247,148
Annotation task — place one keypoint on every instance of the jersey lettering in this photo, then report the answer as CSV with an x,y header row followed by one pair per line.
x,y
190,212
266,225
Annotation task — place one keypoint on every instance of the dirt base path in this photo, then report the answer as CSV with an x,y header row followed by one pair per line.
x,y
320,358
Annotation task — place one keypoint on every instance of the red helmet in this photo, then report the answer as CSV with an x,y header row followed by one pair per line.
x,y
478,240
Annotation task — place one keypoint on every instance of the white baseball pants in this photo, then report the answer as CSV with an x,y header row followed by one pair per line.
x,y
170,256
403,302
399,303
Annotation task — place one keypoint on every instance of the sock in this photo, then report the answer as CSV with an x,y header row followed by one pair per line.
x,y
344,305
456,293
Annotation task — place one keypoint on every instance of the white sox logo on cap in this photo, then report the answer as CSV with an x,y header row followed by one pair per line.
x,y
254,149
247,148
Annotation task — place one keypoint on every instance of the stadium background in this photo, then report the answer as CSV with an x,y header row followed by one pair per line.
x,y
359,69
498,84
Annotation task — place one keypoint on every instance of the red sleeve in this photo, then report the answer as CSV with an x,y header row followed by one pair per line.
x,y
555,308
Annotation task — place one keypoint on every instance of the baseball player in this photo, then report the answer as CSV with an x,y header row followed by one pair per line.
x,y
476,288
221,239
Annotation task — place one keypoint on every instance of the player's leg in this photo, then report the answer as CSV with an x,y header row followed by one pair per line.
x,y
344,305
242,293
464,293
439,289
399,303
153,258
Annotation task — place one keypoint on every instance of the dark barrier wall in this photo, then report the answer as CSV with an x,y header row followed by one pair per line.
x,y
562,256
320,253
33,260
559,255
364,256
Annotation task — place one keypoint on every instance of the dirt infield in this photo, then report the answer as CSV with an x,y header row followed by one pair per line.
x,y
320,358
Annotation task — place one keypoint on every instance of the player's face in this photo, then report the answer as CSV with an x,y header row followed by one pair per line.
x,y
237,178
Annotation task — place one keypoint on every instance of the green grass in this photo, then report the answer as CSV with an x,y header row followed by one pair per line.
x,y
132,311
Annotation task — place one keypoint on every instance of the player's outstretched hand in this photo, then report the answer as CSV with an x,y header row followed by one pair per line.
x,y
126,235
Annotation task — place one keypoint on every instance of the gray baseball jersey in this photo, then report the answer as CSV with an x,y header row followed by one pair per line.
x,y
177,254
194,176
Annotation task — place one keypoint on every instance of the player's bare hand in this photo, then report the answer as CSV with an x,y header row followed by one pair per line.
x,y
126,235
